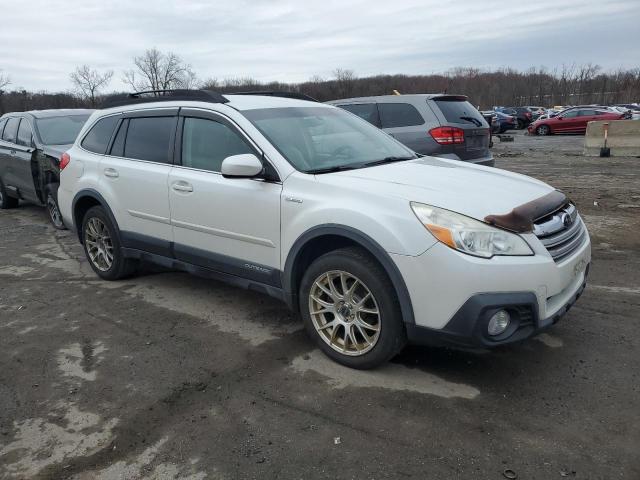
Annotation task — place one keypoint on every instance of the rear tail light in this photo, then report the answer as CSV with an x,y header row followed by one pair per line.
x,y
64,160
447,135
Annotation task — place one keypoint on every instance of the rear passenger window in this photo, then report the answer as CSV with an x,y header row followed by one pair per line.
x,y
366,111
399,115
25,136
206,143
97,140
149,138
10,130
587,113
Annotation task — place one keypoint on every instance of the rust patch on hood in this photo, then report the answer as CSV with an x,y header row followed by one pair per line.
x,y
520,219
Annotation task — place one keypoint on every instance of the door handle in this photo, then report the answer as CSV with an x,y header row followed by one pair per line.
x,y
182,187
111,173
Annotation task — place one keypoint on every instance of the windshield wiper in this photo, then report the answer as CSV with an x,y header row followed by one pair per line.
x,y
386,160
475,121
337,168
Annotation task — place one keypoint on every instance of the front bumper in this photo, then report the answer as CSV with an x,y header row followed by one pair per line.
x,y
453,295
468,326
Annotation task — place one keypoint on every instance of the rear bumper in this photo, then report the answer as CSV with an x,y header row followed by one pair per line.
x,y
468,326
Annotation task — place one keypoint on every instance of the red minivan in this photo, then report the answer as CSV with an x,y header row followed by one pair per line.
x,y
571,121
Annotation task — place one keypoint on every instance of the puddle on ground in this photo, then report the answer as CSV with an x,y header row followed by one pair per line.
x,y
390,376
39,443
79,361
140,468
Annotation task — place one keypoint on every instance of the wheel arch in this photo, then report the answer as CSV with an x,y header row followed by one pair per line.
x,y
82,202
325,238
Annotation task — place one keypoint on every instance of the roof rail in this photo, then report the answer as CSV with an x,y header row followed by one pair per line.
x,y
163,96
269,93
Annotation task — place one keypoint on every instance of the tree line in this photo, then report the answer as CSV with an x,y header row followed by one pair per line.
x,y
156,70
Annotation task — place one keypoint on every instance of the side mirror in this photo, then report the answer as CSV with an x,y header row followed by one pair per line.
x,y
559,117
246,165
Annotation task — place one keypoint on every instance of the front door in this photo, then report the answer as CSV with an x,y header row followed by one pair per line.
x,y
230,225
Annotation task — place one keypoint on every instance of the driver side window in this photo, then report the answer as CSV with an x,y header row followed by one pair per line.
x,y
206,143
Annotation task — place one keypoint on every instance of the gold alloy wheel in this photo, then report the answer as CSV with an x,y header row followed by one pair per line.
x,y
98,244
344,312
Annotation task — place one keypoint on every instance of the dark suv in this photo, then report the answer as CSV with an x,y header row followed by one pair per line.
x,y
430,124
31,144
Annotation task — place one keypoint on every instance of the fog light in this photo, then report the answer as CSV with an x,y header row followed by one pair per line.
x,y
499,322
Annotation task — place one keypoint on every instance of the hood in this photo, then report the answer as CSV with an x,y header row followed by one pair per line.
x,y
55,151
472,190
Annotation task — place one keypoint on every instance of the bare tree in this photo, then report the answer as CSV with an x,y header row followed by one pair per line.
x,y
156,70
4,80
88,82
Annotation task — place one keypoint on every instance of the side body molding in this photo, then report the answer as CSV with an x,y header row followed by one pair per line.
x,y
362,239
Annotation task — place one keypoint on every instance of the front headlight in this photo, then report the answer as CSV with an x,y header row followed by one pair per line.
x,y
468,235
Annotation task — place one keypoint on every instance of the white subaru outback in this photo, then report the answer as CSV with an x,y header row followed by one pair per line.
x,y
372,244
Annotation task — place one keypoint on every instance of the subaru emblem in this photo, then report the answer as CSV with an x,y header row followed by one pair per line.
x,y
566,220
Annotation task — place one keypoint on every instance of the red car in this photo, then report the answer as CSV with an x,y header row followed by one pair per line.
x,y
571,121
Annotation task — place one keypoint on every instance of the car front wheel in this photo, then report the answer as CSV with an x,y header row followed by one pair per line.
x,y
543,130
349,307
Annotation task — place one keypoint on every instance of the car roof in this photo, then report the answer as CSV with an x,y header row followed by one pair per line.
x,y
62,112
396,98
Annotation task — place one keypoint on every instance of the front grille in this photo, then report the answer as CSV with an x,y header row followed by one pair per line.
x,y
561,232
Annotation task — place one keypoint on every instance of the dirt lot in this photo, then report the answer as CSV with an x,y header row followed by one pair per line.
x,y
174,377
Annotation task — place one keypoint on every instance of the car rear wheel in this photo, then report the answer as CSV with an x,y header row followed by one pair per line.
x,y
51,192
543,130
349,307
102,246
521,124
5,200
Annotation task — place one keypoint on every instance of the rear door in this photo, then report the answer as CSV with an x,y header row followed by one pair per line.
x,y
457,112
134,176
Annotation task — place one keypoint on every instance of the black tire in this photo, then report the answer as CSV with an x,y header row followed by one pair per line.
x,y
51,203
6,201
543,130
358,263
120,267
521,124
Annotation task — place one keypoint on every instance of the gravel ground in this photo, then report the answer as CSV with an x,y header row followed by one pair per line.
x,y
168,376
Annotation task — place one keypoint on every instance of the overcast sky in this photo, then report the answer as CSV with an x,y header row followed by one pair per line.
x,y
41,42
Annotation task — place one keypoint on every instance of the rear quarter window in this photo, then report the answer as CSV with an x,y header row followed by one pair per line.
x,y
2,123
457,111
394,115
98,138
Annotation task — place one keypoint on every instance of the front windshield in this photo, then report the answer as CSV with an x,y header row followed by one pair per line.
x,y
317,139
60,130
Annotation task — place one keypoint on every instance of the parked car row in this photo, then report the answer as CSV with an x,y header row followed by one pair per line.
x,y
373,244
